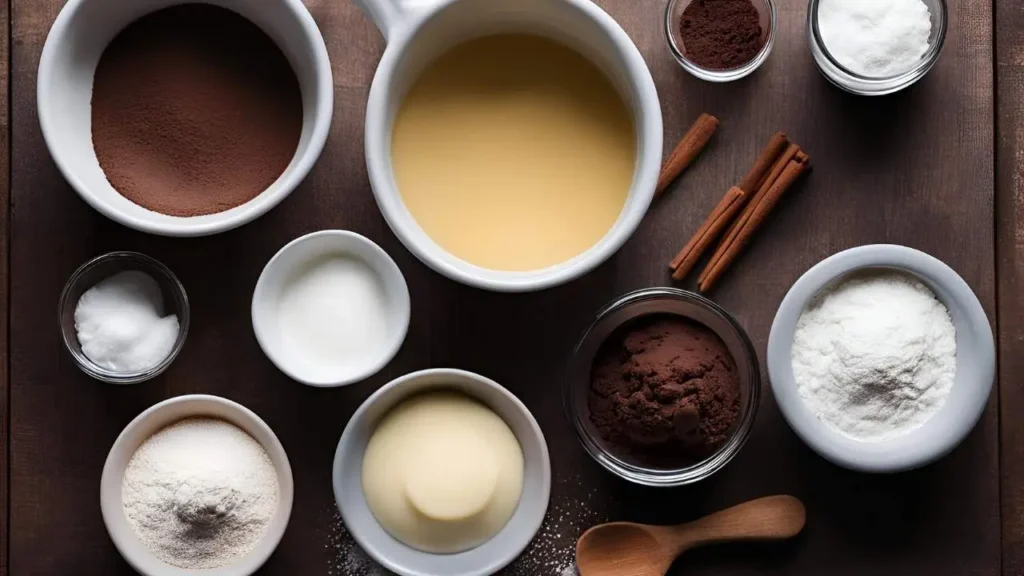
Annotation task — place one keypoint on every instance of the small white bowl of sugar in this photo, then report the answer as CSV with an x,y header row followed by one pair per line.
x,y
881,358
331,308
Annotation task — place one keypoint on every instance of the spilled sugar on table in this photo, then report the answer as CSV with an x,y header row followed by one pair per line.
x,y
915,168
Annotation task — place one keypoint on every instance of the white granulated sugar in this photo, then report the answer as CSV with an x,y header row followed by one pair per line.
x,y
875,38
121,326
875,356
200,493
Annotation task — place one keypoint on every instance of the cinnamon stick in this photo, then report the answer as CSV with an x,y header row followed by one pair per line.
x,y
776,145
693,142
719,218
780,164
794,168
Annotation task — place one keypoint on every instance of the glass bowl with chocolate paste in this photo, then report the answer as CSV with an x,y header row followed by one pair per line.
x,y
663,387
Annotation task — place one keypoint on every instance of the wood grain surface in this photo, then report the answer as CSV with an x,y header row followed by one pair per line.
x,y
5,204
1009,55
915,168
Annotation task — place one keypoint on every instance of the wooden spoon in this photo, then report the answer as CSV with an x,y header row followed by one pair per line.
x,y
628,549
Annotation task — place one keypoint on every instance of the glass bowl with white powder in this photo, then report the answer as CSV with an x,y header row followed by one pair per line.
x,y
876,47
123,317
881,358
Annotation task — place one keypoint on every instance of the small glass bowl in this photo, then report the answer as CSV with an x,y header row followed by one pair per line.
x,y
769,25
855,83
105,266
659,301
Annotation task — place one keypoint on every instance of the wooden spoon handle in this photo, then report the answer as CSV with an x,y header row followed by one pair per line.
x,y
770,518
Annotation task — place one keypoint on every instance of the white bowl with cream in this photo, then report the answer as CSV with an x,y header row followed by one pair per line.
x,y
81,32
491,555
311,357
151,421
419,32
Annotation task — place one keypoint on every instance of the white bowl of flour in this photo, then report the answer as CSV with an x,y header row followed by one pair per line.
x,y
195,484
881,358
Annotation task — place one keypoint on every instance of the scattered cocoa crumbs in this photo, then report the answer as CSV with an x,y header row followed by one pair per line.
x,y
721,34
665,392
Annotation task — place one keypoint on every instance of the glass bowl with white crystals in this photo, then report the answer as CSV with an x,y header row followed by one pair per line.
x,y
972,384
103,267
853,82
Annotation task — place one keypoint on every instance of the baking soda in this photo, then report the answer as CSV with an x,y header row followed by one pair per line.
x,y
334,313
875,38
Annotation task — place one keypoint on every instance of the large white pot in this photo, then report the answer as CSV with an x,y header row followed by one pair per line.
x,y
418,31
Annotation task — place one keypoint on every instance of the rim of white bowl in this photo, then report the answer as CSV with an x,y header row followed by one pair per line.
x,y
247,212
922,445
403,308
111,480
648,121
537,434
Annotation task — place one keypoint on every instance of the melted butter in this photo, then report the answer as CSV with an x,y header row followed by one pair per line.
x,y
513,152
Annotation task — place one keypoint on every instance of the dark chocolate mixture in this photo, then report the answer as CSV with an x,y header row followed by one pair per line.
x,y
195,110
665,391
721,34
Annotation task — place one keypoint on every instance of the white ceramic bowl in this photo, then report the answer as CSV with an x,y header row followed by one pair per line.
x,y
489,557
153,420
975,363
419,31
300,253
73,47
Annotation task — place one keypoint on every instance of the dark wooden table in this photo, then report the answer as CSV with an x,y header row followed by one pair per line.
x,y
937,167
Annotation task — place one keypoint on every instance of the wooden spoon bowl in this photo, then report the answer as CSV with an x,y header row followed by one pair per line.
x,y
628,549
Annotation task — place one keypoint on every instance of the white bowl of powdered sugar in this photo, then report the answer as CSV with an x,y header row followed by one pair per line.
x,y
196,484
881,358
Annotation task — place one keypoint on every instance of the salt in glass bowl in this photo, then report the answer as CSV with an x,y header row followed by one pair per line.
x,y
101,268
769,26
972,384
658,302
855,83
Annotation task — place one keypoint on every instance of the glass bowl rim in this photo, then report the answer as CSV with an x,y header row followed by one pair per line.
x,y
87,365
703,468
917,71
728,74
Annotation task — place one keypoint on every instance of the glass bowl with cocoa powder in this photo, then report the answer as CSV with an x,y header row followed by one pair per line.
x,y
721,40
663,387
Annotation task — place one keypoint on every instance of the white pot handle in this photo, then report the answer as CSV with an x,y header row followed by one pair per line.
x,y
390,15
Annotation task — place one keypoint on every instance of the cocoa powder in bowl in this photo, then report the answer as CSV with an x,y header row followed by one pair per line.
x,y
664,392
195,110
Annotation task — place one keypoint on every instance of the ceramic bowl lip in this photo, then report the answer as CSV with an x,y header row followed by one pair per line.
x,y
711,74
381,261
185,227
879,85
111,480
920,447
648,121
473,380
148,265
683,476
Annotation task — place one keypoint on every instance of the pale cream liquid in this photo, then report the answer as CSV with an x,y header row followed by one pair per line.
x,y
513,152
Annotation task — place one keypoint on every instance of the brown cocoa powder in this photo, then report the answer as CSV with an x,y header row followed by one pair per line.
x,y
195,110
665,392
721,34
